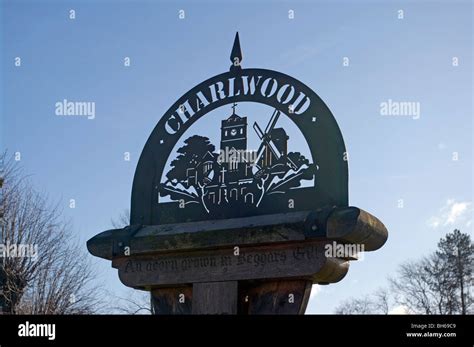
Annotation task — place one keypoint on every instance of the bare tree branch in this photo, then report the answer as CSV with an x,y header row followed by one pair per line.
x,y
55,276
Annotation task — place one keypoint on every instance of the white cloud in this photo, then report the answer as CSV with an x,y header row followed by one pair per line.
x,y
456,211
433,222
451,214
315,291
400,309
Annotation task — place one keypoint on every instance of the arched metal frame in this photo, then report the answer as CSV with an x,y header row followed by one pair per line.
x,y
317,124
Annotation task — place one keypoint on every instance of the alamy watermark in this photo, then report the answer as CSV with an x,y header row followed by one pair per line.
x,y
28,329
13,250
75,108
400,108
237,156
344,250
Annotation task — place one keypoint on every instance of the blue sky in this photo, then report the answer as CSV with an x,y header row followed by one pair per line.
x,y
391,157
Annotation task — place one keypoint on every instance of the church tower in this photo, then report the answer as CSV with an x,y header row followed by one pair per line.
x,y
234,132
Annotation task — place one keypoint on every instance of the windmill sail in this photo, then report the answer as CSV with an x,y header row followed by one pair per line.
x,y
267,146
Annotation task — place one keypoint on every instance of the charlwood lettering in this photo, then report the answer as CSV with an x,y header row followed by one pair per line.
x,y
288,96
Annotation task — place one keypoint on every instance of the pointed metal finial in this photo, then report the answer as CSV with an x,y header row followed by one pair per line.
x,y
233,108
236,54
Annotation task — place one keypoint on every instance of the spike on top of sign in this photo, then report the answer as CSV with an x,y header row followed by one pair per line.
x,y
236,54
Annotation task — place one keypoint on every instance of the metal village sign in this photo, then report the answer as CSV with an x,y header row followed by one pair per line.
x,y
240,231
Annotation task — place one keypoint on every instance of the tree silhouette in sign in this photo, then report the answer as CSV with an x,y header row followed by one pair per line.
x,y
178,185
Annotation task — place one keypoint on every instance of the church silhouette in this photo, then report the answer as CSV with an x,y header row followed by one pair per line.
x,y
215,179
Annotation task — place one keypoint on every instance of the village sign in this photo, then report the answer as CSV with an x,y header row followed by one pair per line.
x,y
224,228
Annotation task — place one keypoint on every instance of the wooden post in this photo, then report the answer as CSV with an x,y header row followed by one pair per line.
x,y
172,300
276,297
215,297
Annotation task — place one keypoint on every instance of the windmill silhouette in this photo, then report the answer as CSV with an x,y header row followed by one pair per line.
x,y
274,143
